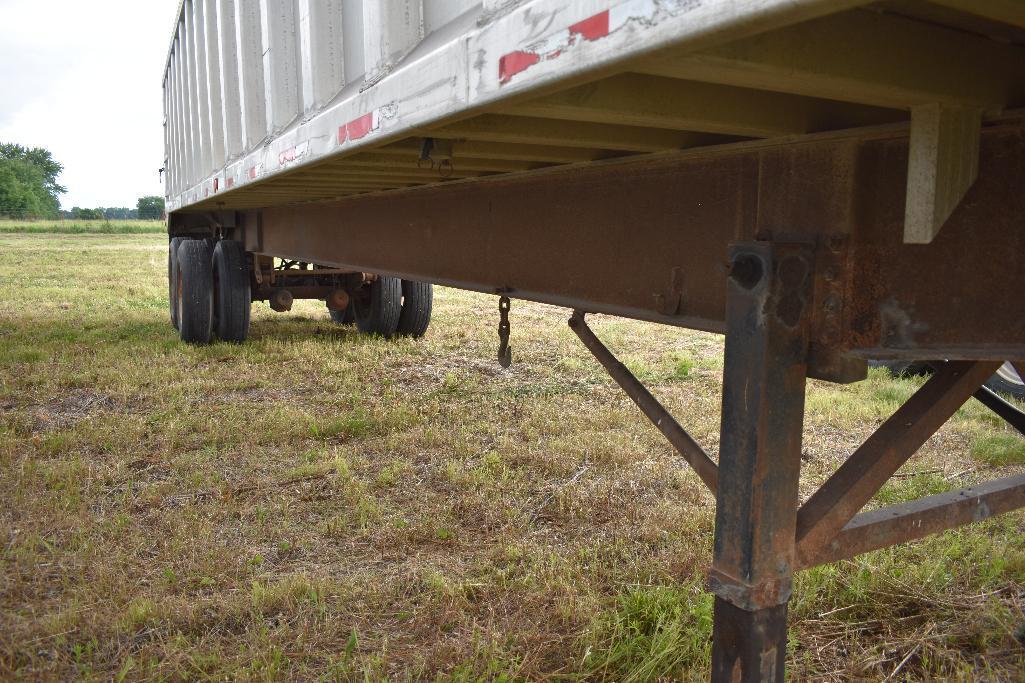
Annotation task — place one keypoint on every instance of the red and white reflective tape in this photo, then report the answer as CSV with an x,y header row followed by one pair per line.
x,y
594,27
293,153
360,127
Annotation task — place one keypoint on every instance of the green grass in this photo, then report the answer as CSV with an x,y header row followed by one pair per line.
x,y
82,227
317,505
999,449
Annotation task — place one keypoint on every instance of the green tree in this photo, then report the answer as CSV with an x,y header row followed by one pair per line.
x,y
151,207
28,182
87,214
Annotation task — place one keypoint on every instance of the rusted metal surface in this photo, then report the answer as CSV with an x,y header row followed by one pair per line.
x,y
647,238
742,634
768,312
683,442
281,300
908,521
841,497
338,300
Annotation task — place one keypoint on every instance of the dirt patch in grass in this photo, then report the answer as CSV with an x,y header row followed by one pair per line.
x,y
317,505
68,409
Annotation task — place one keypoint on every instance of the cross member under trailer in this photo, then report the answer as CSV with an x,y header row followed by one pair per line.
x,y
793,249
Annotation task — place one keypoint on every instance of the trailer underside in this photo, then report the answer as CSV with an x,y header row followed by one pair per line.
x,y
829,192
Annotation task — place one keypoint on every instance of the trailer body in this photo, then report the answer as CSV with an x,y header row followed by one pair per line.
x,y
823,181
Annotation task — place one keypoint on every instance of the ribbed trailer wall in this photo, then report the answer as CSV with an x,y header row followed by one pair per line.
x,y
261,94
241,71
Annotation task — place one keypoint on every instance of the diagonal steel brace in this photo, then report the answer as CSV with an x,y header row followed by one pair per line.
x,y
840,498
690,449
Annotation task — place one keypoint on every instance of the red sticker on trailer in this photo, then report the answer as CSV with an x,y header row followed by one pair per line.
x,y
592,28
511,64
357,128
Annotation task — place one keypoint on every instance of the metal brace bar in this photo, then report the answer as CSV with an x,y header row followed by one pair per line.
x,y
919,518
836,502
1009,412
691,451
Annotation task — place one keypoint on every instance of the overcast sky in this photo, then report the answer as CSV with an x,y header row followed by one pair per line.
x,y
83,80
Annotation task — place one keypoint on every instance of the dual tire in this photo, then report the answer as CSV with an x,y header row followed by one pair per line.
x,y
390,306
210,292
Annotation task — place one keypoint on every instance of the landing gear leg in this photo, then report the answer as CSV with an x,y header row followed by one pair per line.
x,y
759,461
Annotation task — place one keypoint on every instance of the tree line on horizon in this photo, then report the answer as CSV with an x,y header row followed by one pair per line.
x,y
29,190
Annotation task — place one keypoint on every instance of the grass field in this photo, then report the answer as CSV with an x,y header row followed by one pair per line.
x,y
80,227
317,505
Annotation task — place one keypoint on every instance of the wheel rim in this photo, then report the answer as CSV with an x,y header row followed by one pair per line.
x,y
1010,375
362,302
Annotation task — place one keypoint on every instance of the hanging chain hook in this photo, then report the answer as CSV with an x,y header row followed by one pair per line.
x,y
504,350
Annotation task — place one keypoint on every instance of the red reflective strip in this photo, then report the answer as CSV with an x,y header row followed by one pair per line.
x,y
360,127
342,135
252,173
592,28
513,63
229,182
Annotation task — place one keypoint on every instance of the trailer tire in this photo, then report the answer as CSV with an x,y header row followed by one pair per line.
x,y
417,302
172,278
232,296
195,285
1006,380
378,308
346,317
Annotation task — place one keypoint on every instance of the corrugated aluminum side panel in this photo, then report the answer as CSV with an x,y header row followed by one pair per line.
x,y
260,86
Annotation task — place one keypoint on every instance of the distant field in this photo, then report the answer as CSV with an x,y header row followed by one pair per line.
x,y
74,227
318,505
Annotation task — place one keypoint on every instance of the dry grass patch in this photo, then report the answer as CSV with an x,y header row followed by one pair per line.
x,y
317,505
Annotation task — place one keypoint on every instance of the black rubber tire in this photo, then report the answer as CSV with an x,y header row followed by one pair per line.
x,y
1007,381
377,309
417,301
232,295
196,289
172,278
346,317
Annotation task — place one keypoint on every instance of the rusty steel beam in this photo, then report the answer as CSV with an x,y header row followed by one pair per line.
x,y
683,442
768,313
888,526
840,498
647,237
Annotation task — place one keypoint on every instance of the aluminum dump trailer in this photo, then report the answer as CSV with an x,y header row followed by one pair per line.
x,y
822,181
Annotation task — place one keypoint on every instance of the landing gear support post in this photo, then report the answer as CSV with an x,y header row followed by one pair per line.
x,y
767,314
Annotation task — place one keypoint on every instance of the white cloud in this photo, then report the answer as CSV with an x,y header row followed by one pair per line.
x,y
83,79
